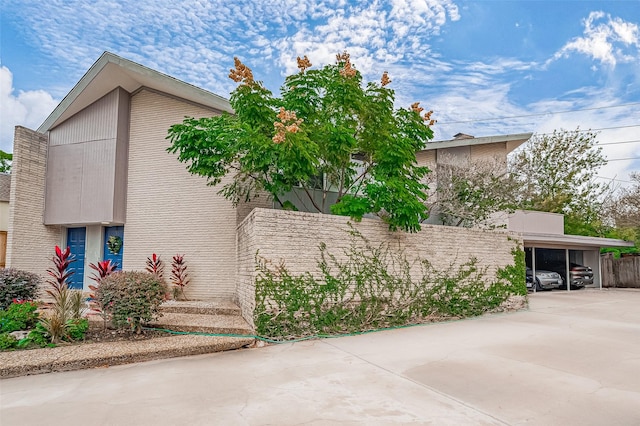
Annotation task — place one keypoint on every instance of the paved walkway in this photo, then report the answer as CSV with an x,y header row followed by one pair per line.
x,y
572,359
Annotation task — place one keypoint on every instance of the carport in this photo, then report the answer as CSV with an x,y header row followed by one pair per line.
x,y
547,247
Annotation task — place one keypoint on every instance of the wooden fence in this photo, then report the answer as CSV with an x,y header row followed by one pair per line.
x,y
3,248
623,272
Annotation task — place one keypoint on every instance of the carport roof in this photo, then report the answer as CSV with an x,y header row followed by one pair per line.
x,y
570,241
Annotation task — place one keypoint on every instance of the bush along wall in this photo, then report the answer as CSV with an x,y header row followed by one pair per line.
x,y
375,287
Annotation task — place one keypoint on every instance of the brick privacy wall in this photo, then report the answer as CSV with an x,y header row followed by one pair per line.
x,y
294,238
30,243
169,210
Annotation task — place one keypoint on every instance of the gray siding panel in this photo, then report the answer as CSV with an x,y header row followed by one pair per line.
x,y
97,184
64,184
87,165
96,122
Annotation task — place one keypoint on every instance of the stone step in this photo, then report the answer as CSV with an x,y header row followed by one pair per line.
x,y
221,324
204,307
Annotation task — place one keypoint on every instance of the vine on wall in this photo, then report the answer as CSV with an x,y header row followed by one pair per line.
x,y
374,288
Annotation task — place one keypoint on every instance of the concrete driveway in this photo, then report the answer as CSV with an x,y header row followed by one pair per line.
x,y
571,359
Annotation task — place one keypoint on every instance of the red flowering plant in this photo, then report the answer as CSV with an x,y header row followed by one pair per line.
x,y
66,309
61,271
179,276
155,266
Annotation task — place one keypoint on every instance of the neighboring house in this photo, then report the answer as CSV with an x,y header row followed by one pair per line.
x,y
97,170
5,191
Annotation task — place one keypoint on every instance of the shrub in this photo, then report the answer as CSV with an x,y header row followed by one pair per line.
x,y
131,298
103,269
7,342
16,284
77,328
19,316
37,337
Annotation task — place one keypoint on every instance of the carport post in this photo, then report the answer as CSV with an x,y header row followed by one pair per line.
x,y
568,277
599,269
533,267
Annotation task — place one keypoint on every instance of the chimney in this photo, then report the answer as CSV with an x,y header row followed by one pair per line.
x,y
459,136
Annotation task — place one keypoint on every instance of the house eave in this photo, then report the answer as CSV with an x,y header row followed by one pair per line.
x,y
111,71
513,141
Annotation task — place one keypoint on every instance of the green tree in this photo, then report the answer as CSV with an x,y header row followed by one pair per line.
x,y
471,194
336,142
5,161
557,173
623,214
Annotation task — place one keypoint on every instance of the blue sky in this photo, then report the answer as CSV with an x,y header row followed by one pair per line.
x,y
484,67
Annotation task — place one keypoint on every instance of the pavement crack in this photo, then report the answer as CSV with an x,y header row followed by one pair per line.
x,y
403,377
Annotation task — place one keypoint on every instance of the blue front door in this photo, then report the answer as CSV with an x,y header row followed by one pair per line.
x,y
76,239
114,245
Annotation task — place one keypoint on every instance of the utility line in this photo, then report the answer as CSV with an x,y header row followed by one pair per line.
x,y
540,114
624,159
608,128
614,179
619,142
594,130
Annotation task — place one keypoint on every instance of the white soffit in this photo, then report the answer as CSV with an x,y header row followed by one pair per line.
x,y
111,71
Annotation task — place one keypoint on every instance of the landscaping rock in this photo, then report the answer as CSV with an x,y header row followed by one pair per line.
x,y
19,335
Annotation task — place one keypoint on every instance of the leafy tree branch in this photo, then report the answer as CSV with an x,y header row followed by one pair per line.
x,y
306,142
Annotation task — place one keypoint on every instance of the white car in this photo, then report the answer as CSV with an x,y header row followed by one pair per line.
x,y
545,280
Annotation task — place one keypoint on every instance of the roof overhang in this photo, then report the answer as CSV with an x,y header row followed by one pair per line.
x,y
577,242
111,71
513,141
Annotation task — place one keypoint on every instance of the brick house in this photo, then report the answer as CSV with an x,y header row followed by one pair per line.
x,y
97,170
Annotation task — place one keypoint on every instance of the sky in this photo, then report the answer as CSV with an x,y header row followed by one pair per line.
x,y
484,67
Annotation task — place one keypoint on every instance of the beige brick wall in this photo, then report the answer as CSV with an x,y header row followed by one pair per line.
x,y
30,244
426,158
294,238
169,210
489,152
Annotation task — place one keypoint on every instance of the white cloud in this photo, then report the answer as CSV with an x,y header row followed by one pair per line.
x,y
28,108
605,39
196,40
374,34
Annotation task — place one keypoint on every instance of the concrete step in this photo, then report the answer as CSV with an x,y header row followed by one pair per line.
x,y
91,355
203,307
202,323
